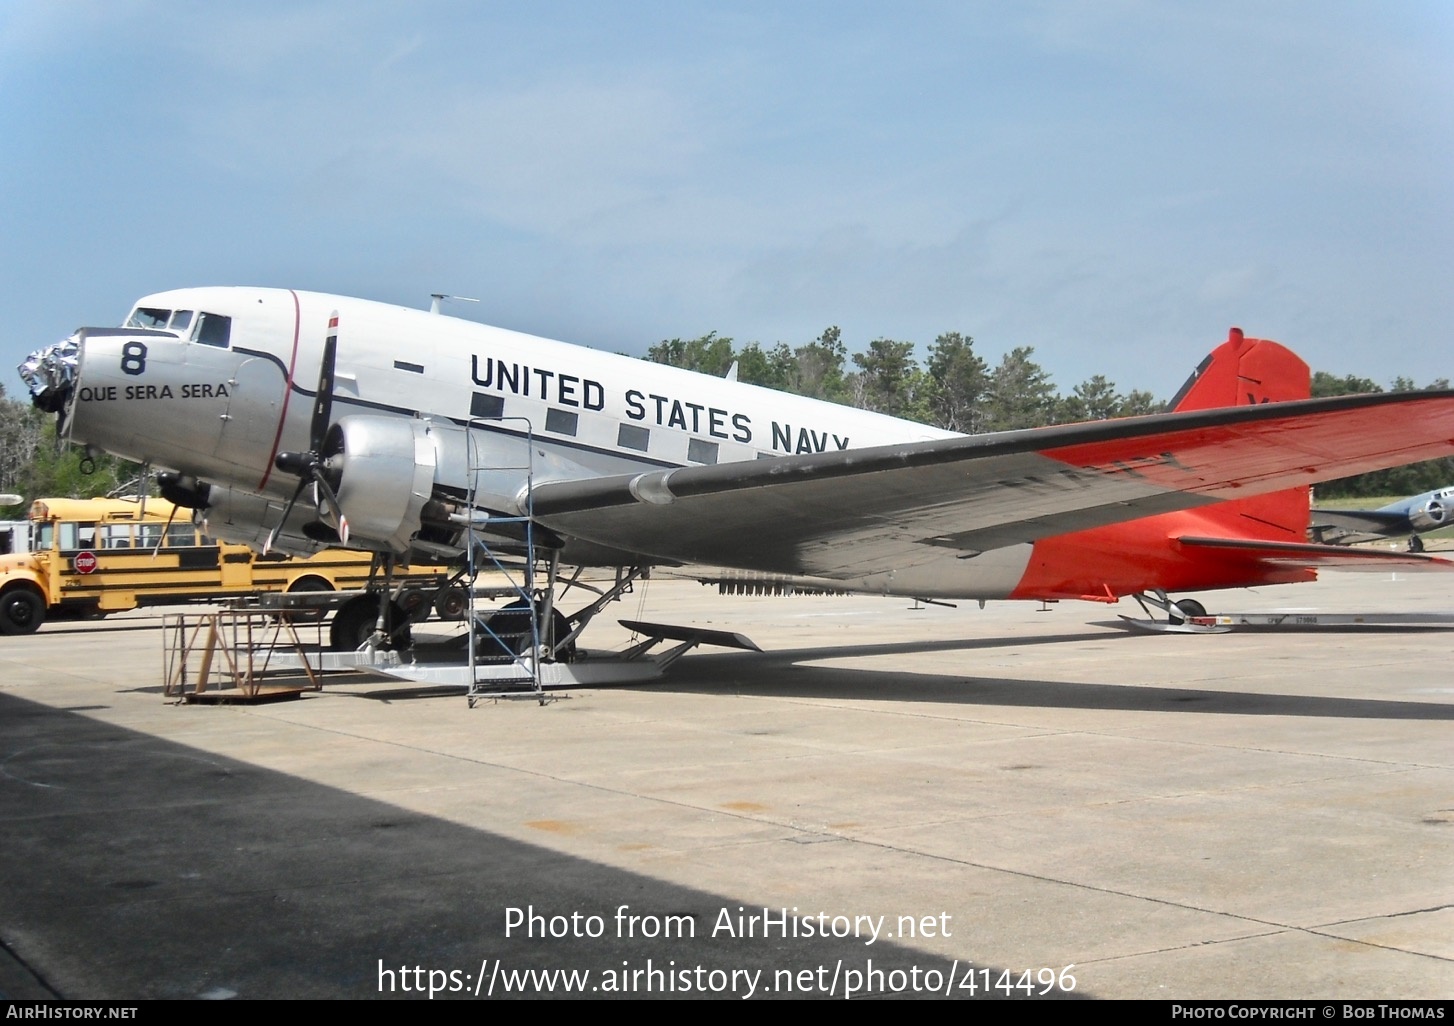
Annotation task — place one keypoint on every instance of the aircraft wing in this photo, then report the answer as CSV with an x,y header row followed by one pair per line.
x,y
856,512
1347,526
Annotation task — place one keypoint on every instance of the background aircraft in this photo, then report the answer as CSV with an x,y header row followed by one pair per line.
x,y
1413,516
422,424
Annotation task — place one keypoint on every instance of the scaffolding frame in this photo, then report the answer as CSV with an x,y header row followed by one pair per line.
x,y
237,645
521,650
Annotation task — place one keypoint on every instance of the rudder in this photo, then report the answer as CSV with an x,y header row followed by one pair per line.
x,y
1245,372
1248,372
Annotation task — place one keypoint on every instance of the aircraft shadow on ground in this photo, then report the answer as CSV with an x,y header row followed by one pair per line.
x,y
787,674
136,867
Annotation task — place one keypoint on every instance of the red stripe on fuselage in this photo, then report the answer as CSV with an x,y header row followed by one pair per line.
x,y
287,391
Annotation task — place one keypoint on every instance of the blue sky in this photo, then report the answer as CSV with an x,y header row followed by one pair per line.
x,y
1111,183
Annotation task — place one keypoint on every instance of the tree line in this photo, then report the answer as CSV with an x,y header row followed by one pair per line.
x,y
33,465
955,388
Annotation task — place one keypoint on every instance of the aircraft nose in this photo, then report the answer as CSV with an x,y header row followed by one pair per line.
x,y
50,373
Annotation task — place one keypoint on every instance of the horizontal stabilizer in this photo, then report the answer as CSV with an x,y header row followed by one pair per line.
x,y
1329,557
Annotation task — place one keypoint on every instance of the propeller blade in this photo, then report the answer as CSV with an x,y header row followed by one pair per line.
x,y
323,401
273,534
142,489
308,466
330,502
162,537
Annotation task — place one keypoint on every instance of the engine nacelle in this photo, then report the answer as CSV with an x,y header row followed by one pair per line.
x,y
183,490
383,473
1432,514
246,518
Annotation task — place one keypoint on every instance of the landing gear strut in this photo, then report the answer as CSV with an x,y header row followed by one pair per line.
x,y
512,632
1186,616
373,618
362,617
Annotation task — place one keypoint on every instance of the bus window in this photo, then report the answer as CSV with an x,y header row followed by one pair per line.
x,y
181,536
73,535
148,536
116,536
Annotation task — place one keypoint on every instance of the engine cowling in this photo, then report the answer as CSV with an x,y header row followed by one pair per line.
x,y
1432,514
246,518
382,470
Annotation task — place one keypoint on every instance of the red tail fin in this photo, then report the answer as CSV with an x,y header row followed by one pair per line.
x,y
1249,371
1245,372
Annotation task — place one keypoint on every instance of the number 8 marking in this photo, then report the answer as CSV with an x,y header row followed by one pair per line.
x,y
133,358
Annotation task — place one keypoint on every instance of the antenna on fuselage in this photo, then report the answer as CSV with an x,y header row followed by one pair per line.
x,y
435,298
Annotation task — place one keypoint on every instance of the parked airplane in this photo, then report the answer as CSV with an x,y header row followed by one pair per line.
x,y
1412,516
422,424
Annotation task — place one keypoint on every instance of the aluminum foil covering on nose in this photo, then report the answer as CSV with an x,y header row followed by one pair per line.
x,y
50,372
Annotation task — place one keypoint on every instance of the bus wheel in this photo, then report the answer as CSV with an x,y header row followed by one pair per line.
x,y
451,603
356,619
22,611
415,603
307,585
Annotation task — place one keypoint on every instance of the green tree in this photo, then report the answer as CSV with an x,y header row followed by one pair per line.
x,y
1138,403
958,384
709,354
1093,399
818,367
771,368
888,380
1021,394
1325,385
34,465
21,430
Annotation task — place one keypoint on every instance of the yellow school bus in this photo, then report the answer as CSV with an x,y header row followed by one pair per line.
x,y
90,557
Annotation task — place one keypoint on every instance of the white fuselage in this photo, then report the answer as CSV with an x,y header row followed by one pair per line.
x,y
222,413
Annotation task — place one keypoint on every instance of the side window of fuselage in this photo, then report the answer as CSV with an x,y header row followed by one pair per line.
x,y
213,330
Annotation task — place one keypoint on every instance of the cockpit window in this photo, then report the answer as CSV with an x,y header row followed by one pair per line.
x,y
148,317
181,321
214,330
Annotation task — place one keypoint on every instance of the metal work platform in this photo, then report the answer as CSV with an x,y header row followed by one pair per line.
x,y
236,655
1292,619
